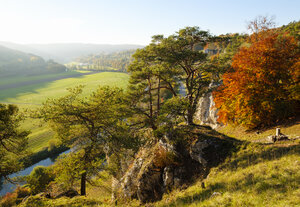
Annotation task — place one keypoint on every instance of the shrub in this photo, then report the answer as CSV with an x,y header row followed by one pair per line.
x,y
39,179
9,200
22,192
52,144
164,158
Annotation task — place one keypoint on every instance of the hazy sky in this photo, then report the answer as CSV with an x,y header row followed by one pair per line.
x,y
130,21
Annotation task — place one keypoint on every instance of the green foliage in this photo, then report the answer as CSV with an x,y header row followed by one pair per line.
x,y
159,69
67,169
14,62
55,67
93,126
172,114
22,192
39,179
114,61
293,29
52,144
13,141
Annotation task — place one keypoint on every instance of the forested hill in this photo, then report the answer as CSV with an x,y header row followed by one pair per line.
x,y
13,62
67,52
113,61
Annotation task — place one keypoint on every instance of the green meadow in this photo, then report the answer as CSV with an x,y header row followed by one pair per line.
x,y
31,91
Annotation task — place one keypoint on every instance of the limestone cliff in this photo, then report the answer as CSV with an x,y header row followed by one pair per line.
x,y
173,164
206,113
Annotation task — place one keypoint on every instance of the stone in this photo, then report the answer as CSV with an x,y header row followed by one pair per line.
x,y
150,186
215,194
282,137
179,175
271,138
196,152
168,177
149,176
206,112
129,182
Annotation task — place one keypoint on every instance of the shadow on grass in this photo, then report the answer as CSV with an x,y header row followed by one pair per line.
x,y
257,153
260,185
13,90
289,122
248,157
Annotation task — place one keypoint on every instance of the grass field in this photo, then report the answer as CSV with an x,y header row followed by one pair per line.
x,y
38,93
239,132
33,95
21,78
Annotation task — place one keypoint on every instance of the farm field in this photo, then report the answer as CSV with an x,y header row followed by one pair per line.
x,y
31,96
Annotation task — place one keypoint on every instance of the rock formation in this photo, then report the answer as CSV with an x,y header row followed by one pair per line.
x,y
168,165
206,112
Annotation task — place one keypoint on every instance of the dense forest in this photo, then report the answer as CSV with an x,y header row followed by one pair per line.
x,y
118,61
13,62
137,138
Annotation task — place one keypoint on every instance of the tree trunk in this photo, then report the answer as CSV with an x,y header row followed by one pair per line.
x,y
83,184
190,117
158,97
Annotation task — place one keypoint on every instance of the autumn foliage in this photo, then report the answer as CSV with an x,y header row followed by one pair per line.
x,y
263,86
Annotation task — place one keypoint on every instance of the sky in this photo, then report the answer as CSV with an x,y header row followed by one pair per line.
x,y
131,21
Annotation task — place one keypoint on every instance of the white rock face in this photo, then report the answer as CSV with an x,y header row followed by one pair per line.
x,y
206,112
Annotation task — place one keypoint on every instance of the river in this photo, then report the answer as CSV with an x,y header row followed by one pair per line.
x,y
6,187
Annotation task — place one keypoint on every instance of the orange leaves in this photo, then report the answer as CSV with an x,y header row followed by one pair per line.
x,y
258,91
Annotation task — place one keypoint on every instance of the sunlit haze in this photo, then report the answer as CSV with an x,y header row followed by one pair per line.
x,y
130,21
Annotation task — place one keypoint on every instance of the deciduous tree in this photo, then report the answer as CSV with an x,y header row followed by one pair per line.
x,y
13,141
261,88
92,126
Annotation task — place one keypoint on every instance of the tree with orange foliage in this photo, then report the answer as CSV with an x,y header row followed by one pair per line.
x,y
263,86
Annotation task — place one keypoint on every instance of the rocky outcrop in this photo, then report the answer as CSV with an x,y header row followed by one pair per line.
x,y
166,166
206,113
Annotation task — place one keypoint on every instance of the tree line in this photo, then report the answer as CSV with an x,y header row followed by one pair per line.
x,y
118,61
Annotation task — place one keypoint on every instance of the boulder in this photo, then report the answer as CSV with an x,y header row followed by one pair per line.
x,y
168,165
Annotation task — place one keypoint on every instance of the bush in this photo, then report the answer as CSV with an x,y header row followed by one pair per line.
x,y
52,145
9,200
22,192
39,179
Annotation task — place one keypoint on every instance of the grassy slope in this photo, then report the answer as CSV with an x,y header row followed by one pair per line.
x,y
31,96
13,79
293,130
37,93
256,175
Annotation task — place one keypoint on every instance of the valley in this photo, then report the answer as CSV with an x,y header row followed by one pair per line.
x,y
126,103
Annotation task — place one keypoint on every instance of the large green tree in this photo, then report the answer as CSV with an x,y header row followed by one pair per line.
x,y
92,126
13,141
168,64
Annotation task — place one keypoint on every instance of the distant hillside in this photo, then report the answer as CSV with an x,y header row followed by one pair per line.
x,y
66,52
114,61
14,62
